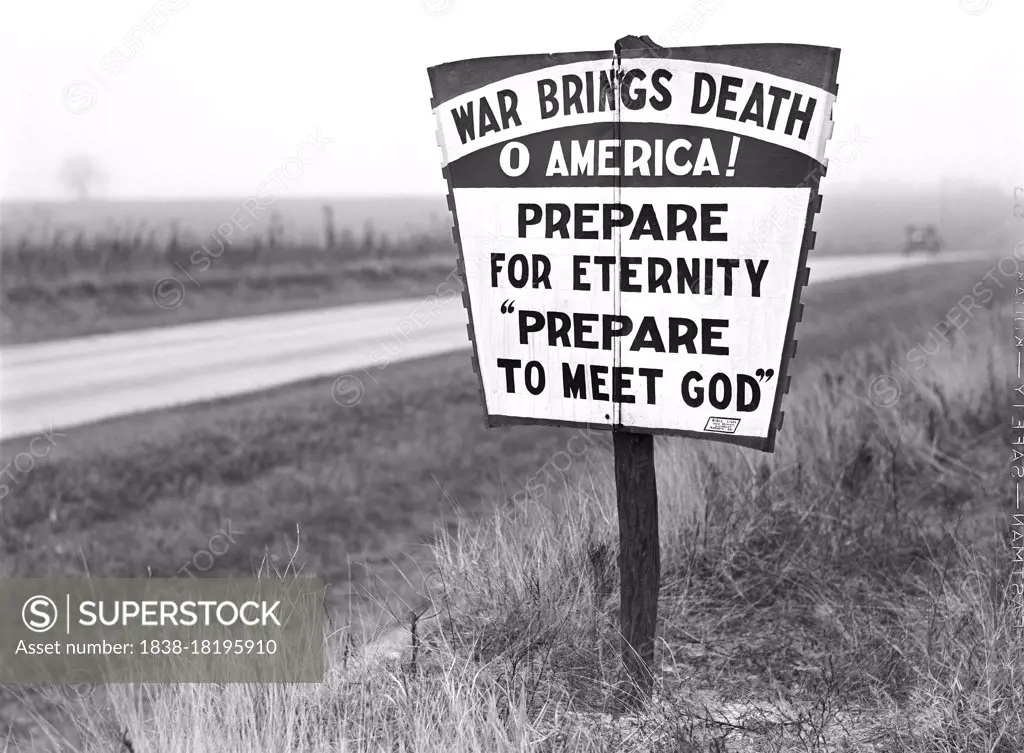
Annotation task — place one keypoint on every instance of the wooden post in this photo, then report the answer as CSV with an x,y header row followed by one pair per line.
x,y
639,560
636,493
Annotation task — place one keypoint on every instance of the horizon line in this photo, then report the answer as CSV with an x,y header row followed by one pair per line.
x,y
440,195
218,197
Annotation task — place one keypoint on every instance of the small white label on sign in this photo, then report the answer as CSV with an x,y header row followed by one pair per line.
x,y
722,425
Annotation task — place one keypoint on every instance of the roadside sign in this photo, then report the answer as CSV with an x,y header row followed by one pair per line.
x,y
633,230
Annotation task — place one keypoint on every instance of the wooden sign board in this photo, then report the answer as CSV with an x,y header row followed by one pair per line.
x,y
633,228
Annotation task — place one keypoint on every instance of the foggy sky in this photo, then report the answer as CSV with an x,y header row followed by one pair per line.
x,y
221,93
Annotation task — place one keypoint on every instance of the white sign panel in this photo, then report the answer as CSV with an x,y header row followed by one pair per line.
x,y
634,230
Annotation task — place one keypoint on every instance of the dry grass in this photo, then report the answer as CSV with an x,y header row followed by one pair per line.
x,y
849,593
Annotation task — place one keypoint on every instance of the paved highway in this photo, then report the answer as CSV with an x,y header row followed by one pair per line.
x,y
69,383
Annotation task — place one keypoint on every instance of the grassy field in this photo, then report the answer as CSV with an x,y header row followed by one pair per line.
x,y
53,291
849,587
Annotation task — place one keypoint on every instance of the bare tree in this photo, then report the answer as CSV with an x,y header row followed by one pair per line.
x,y
79,175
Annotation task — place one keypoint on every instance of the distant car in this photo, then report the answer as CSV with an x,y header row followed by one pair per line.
x,y
922,238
